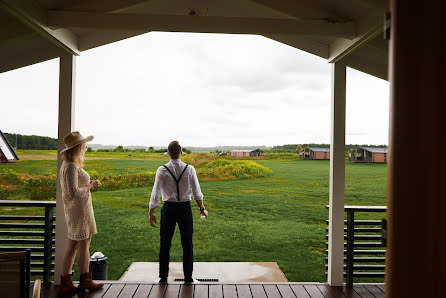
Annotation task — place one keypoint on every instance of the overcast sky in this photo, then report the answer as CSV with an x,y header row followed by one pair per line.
x,y
201,89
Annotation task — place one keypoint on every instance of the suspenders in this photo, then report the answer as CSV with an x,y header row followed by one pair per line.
x,y
176,180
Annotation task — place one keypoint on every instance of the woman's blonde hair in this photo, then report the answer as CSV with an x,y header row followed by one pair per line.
x,y
75,155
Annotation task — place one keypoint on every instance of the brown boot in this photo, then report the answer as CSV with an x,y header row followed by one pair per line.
x,y
66,286
86,283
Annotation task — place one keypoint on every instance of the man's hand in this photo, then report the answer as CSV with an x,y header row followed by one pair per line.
x,y
152,219
205,213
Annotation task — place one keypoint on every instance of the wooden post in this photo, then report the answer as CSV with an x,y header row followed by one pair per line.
x,y
67,73
337,176
416,259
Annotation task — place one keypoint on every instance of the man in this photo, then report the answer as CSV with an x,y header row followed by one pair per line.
x,y
176,181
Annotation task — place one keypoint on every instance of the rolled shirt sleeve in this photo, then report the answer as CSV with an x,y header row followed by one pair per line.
x,y
156,191
195,185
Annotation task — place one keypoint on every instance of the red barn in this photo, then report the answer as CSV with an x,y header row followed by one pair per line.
x,y
369,154
315,153
246,153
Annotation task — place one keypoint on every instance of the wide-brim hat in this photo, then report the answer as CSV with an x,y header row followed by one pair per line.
x,y
73,139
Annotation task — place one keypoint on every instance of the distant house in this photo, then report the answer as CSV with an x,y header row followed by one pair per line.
x,y
246,153
7,153
315,153
368,154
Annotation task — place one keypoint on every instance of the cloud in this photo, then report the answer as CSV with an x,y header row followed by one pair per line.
x,y
203,89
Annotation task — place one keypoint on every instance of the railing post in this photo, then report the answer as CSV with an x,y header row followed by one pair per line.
x,y
48,245
350,246
28,271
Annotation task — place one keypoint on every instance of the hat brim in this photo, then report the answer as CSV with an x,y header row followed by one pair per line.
x,y
84,140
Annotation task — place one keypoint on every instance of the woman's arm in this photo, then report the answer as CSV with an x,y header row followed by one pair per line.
x,y
72,183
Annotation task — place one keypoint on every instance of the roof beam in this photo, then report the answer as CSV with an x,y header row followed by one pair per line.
x,y
368,28
301,9
34,16
204,24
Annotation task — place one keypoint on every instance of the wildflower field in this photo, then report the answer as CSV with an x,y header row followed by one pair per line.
x,y
260,210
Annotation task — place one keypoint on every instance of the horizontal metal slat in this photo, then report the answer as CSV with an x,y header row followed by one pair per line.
x,y
363,230
366,259
39,257
39,272
23,248
365,267
24,241
23,203
23,233
365,252
23,226
363,222
21,217
40,265
361,237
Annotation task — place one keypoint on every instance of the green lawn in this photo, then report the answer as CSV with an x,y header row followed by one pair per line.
x,y
276,219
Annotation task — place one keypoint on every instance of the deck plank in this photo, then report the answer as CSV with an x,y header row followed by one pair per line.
x,y
128,291
113,291
271,291
229,291
201,291
382,287
172,291
216,291
186,291
243,291
286,291
98,293
350,293
300,291
330,292
374,290
313,291
257,291
158,291
362,291
143,291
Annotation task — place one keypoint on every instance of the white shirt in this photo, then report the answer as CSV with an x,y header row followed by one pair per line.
x,y
166,186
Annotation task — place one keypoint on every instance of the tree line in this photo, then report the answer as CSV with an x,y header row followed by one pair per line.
x,y
31,142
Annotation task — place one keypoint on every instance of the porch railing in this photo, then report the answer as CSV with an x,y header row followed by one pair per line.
x,y
18,232
364,253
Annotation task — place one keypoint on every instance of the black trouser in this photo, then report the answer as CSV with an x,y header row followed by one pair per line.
x,y
172,213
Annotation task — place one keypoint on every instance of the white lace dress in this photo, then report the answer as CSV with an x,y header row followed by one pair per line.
x,y
77,201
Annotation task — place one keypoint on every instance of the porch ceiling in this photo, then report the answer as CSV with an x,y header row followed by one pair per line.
x,y
37,30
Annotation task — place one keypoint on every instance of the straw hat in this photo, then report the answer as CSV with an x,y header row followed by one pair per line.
x,y
73,139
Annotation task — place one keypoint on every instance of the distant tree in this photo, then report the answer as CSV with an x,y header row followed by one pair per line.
x,y
32,142
119,149
89,149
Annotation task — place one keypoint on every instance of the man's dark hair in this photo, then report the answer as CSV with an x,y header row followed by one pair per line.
x,y
174,149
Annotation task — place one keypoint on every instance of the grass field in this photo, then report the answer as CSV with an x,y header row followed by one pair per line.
x,y
279,218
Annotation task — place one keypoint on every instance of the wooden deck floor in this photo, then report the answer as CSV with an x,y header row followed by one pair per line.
x,y
211,290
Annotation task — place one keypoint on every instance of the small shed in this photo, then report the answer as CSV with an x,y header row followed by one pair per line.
x,y
368,154
315,153
246,153
7,153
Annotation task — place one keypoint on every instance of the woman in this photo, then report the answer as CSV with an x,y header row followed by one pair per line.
x,y
79,216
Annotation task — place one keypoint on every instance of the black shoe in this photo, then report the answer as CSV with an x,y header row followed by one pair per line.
x,y
191,280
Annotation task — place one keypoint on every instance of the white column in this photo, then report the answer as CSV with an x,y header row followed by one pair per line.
x,y
337,176
67,73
